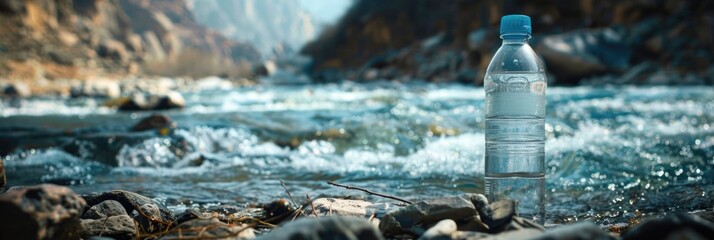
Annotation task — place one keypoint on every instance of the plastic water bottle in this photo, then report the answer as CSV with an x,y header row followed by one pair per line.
x,y
515,84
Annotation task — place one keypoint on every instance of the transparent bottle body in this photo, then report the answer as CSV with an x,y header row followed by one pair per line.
x,y
515,85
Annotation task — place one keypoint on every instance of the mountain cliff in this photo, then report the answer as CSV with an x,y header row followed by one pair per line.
x,y
266,24
66,39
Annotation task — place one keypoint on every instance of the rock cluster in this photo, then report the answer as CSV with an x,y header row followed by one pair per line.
x,y
55,212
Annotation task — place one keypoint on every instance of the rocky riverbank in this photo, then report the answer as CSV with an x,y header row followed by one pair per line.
x,y
591,42
56,212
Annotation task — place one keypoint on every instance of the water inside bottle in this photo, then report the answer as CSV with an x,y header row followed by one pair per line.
x,y
515,138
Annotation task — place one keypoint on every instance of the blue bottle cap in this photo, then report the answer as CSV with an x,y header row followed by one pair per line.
x,y
515,24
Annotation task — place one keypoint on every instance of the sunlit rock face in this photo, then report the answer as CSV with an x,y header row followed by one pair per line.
x,y
264,23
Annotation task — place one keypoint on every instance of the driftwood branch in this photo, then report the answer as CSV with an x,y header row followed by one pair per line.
x,y
370,192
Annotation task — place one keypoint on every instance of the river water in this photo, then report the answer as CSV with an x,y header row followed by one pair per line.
x,y
613,154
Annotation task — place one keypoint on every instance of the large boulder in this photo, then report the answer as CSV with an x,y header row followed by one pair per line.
x,y
40,212
584,53
151,216
332,227
107,89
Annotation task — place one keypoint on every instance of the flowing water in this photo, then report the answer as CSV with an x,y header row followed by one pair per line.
x,y
612,154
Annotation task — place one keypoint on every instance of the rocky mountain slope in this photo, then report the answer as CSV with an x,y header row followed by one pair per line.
x,y
636,41
66,39
266,24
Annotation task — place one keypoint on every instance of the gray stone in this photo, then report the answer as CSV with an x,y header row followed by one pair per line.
x,y
416,218
105,88
342,207
675,226
578,231
40,212
116,227
209,229
583,53
442,230
104,209
151,216
330,227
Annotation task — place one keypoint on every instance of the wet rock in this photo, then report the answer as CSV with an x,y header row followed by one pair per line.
x,y
209,229
578,231
105,209
675,226
16,89
40,212
104,147
342,207
502,213
156,121
186,216
116,227
571,56
105,89
277,210
144,102
416,218
151,216
3,179
518,223
332,227
442,230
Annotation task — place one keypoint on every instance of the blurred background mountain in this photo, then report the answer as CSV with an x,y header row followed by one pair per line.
x,y
584,41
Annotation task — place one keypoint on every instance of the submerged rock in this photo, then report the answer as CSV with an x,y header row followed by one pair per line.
x,y
331,227
676,226
3,179
151,216
108,208
116,227
156,121
209,229
40,212
416,218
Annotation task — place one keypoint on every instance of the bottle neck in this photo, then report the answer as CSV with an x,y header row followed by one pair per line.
x,y
515,38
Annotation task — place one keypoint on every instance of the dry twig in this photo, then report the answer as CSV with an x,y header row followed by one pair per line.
x,y
314,212
370,192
